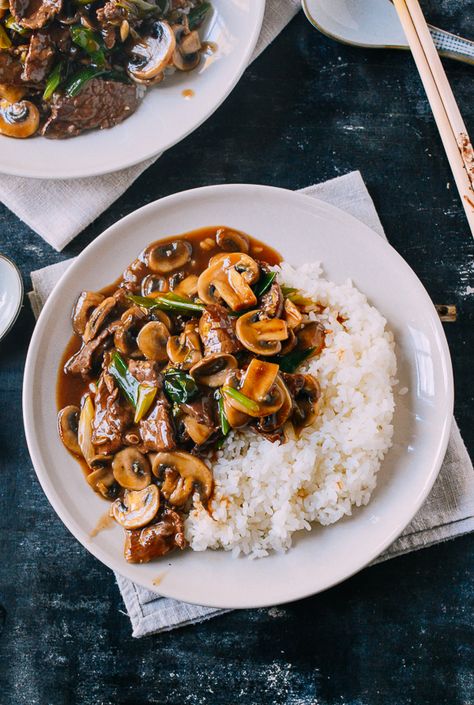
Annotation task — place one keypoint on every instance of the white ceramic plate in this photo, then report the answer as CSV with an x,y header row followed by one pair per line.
x,y
164,117
302,229
11,294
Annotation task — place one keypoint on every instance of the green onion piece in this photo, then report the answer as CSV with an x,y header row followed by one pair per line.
x,y
90,42
167,302
78,81
196,16
287,290
179,386
11,23
146,395
5,41
126,381
225,425
54,79
291,361
249,404
263,284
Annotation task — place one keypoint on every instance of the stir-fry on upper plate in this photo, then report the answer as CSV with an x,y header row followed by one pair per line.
x,y
152,72
303,231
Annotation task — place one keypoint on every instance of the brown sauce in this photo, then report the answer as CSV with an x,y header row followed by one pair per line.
x,y
70,388
106,521
188,93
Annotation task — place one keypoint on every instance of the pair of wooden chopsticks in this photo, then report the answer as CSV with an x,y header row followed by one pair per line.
x,y
443,104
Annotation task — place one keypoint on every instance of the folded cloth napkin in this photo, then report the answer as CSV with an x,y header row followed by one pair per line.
x,y
59,210
447,512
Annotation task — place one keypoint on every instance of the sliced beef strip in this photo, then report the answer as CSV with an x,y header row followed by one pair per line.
x,y
142,545
113,416
10,68
272,301
201,409
34,14
216,329
39,58
156,430
294,382
111,13
84,361
146,371
100,104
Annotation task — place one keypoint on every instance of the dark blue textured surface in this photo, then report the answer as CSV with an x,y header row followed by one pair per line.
x,y
397,634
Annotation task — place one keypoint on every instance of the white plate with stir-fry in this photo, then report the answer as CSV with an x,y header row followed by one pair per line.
x,y
91,89
239,411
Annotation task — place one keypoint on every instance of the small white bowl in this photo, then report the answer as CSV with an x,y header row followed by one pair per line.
x,y
11,294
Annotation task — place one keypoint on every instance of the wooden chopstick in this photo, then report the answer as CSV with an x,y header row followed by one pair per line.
x,y
446,112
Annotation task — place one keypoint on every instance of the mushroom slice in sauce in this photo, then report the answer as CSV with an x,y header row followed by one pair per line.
x,y
272,301
259,334
19,119
212,370
306,402
102,480
198,432
125,337
152,341
185,349
84,430
293,316
98,318
186,55
258,379
232,241
136,508
312,335
131,469
228,277
87,301
153,283
187,287
183,473
152,54
68,422
169,256
272,422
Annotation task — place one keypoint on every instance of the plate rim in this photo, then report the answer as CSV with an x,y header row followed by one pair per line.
x,y
152,153
128,571
19,304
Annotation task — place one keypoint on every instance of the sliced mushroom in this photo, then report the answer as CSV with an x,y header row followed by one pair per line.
x,y
312,335
293,316
306,403
131,469
198,432
68,423
258,379
269,402
153,283
84,429
11,93
228,277
126,335
20,119
185,349
136,508
167,257
186,55
87,301
102,480
182,473
236,418
187,287
152,54
290,343
212,370
259,334
152,341
272,422
216,328
98,318
232,241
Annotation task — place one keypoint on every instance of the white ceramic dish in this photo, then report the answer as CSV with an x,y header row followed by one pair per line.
x,y
11,294
301,229
164,117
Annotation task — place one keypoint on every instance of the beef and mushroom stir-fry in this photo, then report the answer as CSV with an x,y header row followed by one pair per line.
x,y
197,338
67,66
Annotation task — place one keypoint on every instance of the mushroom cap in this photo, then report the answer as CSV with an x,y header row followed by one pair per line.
x,y
136,508
98,318
306,401
19,119
212,370
236,418
272,422
259,334
187,287
131,469
312,335
68,423
185,349
183,472
186,55
152,54
197,431
125,337
258,379
232,240
166,257
102,480
228,277
87,301
154,283
293,316
152,341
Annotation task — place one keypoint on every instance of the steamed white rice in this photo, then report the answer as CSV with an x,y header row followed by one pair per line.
x,y
266,491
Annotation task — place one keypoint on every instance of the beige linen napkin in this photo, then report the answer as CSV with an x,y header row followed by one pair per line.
x,y
60,210
448,511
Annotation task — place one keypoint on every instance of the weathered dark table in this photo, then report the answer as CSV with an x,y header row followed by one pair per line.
x,y
399,633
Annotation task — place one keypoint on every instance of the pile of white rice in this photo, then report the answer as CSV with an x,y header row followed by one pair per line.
x,y
265,491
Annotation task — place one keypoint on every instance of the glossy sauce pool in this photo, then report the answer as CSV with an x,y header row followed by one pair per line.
x,y
71,388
